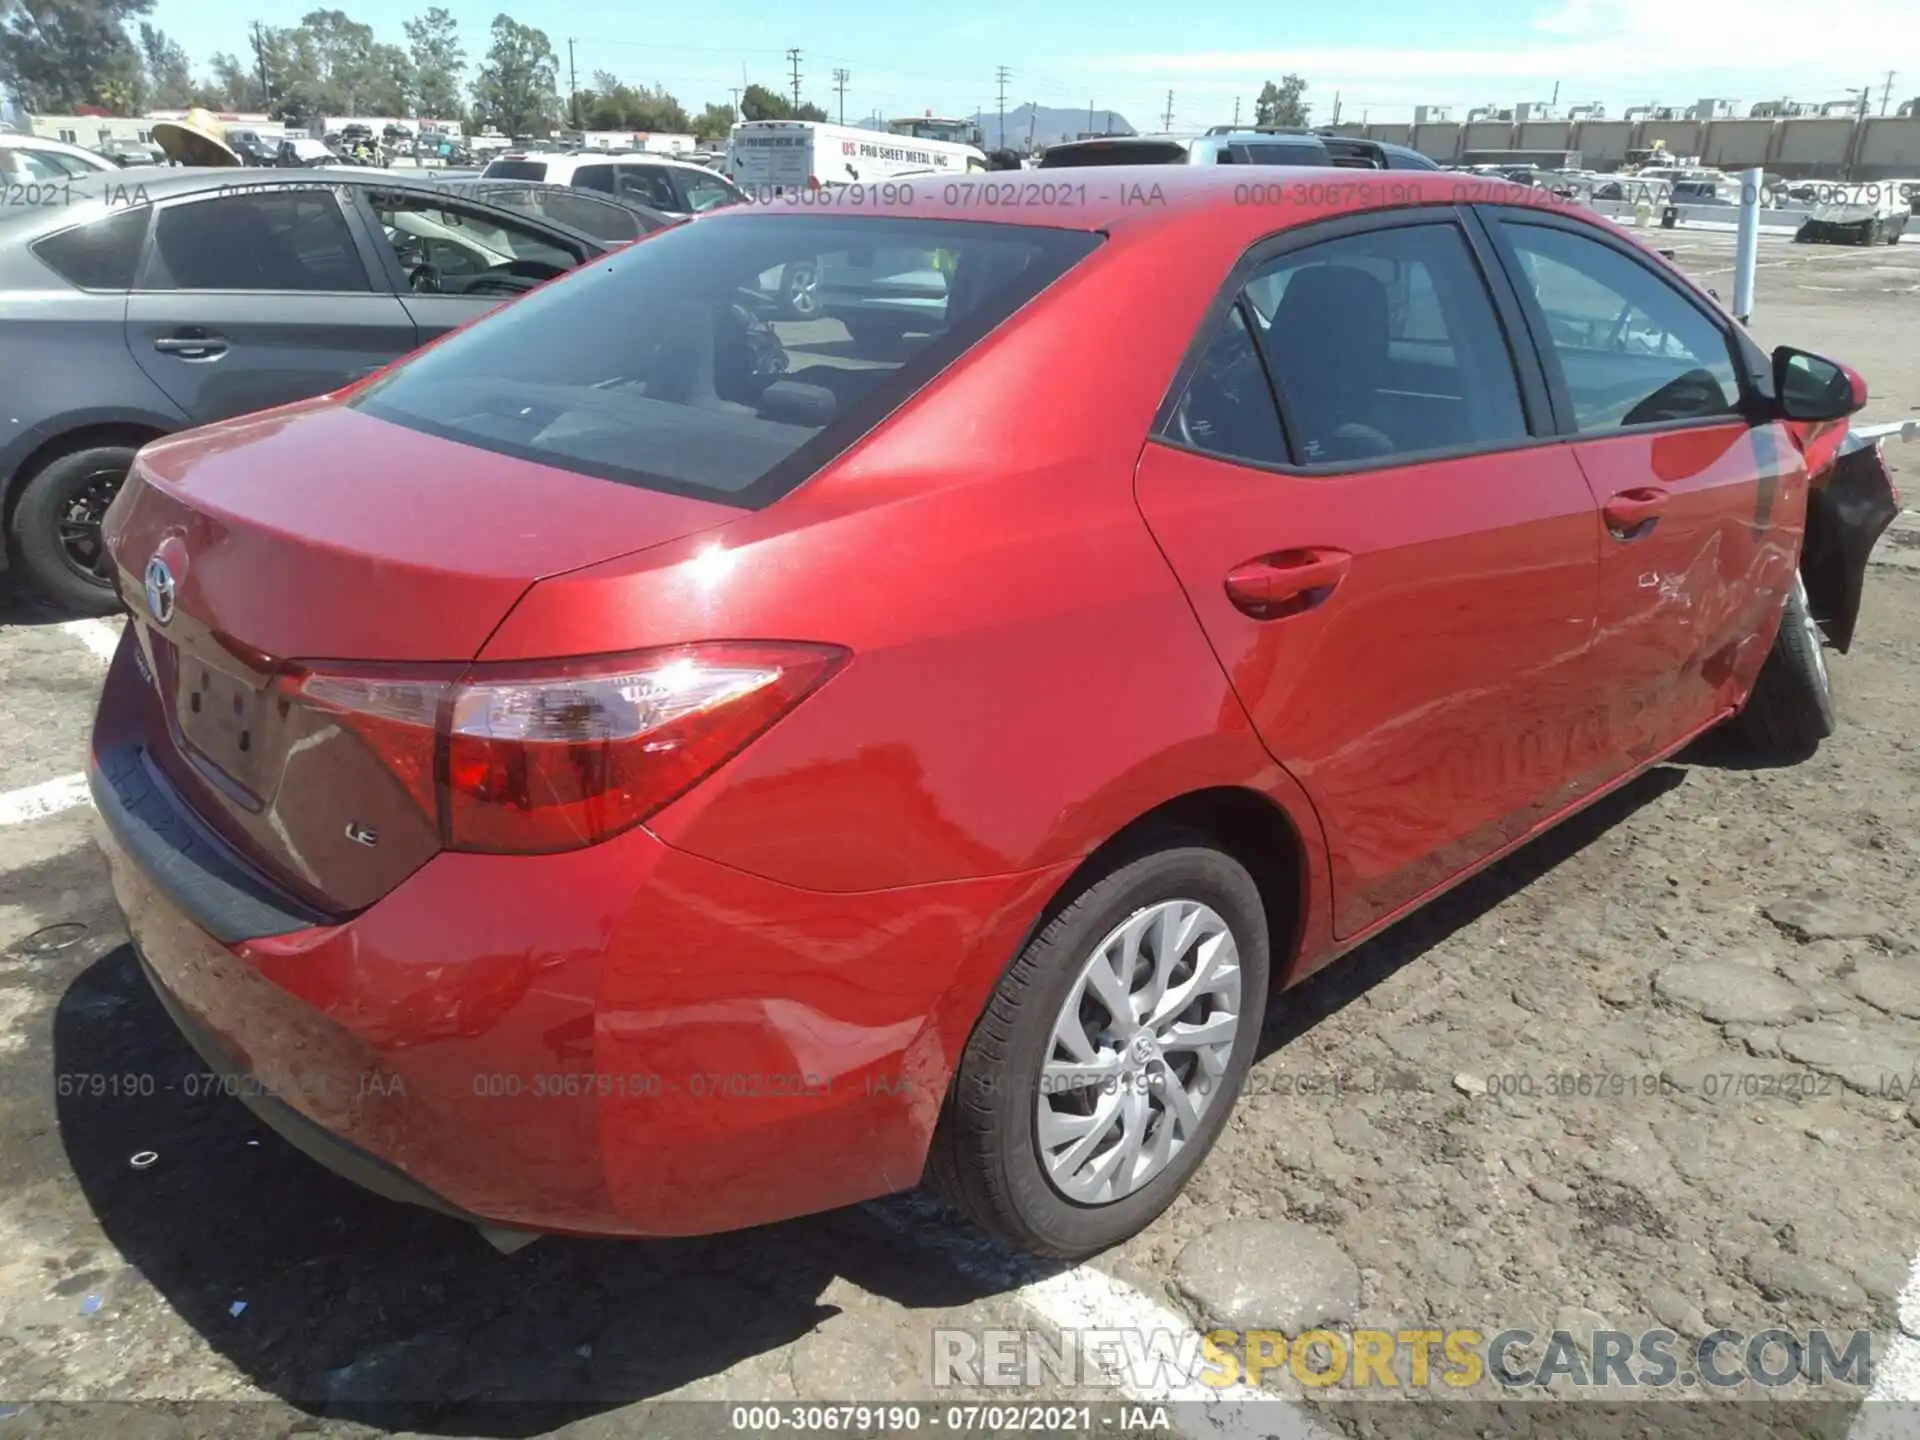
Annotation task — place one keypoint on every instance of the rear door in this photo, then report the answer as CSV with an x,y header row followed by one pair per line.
x,y
1396,566
1702,508
253,297
1396,563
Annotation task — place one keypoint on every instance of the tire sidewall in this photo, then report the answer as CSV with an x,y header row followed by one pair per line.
x,y
1802,642
1192,873
35,536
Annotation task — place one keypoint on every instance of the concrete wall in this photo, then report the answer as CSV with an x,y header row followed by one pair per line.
x,y
1888,149
1841,148
1603,144
1438,140
1682,136
1487,135
1544,135
1813,149
1737,144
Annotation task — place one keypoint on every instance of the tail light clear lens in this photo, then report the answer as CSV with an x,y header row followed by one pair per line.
x,y
531,761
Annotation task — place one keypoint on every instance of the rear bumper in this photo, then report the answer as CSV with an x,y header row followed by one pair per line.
x,y
622,1040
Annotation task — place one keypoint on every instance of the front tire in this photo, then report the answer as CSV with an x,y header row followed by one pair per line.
x,y
1109,1056
1791,708
56,527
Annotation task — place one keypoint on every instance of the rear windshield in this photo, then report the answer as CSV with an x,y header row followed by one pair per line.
x,y
1139,152
727,358
515,170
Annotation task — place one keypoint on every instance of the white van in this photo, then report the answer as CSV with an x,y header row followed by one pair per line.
x,y
776,157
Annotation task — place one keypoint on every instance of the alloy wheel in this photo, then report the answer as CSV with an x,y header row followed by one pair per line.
x,y
1139,1052
79,523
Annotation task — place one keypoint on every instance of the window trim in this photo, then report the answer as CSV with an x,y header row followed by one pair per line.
x,y
150,257
1493,220
1529,379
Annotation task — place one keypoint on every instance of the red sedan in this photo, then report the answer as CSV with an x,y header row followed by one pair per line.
x,y
642,767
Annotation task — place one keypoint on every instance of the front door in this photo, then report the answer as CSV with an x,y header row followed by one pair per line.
x,y
1396,573
1701,510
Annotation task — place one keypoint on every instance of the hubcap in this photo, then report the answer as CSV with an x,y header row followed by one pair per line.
x,y
79,525
1140,1051
800,290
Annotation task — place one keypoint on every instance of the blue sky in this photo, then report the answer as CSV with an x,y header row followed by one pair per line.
x,y
1383,58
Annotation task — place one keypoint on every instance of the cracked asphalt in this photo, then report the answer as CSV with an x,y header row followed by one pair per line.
x,y
1658,1070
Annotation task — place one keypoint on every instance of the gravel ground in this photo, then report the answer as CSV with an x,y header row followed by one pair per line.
x,y
1656,1070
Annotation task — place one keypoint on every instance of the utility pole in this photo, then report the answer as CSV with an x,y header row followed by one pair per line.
x,y
573,86
1236,112
1089,117
260,55
840,78
1001,75
737,116
1886,95
1556,94
1336,107
793,59
1033,119
1168,125
1866,101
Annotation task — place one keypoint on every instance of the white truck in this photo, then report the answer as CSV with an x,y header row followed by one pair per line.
x,y
776,157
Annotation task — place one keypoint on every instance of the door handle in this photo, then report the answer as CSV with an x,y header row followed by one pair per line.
x,y
1276,586
1632,513
189,346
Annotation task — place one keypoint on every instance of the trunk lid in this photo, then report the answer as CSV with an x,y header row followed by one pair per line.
x,y
319,536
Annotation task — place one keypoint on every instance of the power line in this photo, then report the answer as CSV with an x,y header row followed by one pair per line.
x,y
793,59
840,78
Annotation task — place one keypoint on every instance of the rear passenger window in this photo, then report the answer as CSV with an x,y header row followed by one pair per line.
x,y
1227,409
269,240
1630,348
102,254
1385,345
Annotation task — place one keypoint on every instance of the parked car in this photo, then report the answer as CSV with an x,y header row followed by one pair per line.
x,y
1881,220
1218,147
881,837
672,187
185,296
25,159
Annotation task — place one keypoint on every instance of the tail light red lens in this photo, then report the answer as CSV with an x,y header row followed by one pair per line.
x,y
530,761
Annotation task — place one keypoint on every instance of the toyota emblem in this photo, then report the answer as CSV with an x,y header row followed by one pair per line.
x,y
159,591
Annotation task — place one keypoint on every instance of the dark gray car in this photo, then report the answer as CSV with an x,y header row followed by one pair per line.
x,y
145,301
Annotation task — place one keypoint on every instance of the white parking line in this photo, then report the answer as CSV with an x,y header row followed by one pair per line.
x,y
36,802
102,637
1083,1299
1891,1410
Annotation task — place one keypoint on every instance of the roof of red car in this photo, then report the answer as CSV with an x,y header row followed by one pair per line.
x,y
1103,197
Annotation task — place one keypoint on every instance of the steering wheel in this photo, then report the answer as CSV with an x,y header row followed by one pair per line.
x,y
423,279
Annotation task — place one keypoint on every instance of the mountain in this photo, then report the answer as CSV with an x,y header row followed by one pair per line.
x,y
1047,125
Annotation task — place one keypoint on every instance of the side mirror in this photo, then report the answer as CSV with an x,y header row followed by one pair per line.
x,y
1808,387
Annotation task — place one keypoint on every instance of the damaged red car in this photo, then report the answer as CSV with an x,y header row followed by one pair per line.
x,y
647,766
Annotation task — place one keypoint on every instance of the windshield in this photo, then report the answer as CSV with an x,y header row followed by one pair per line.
x,y
681,364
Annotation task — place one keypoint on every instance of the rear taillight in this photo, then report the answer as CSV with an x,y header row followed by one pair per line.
x,y
532,760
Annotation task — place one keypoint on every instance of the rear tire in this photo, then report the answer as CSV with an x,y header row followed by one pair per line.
x,y
1791,708
991,1158
59,507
